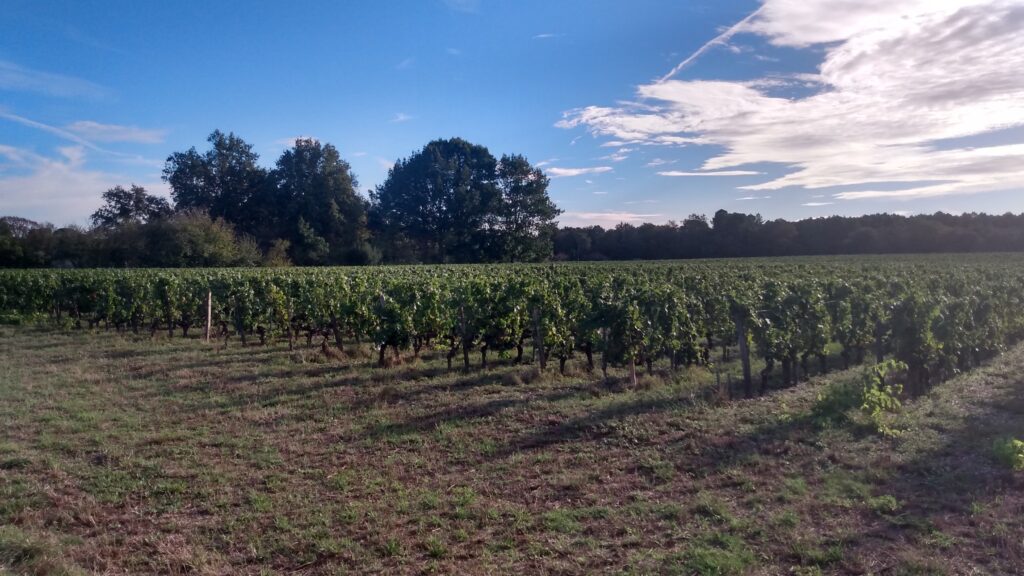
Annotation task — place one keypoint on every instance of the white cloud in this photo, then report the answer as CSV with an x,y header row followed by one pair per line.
x,y
660,162
453,51
546,36
21,79
98,132
814,204
755,198
62,189
564,172
405,64
400,117
75,138
289,142
896,80
599,193
619,155
677,173
605,218
544,163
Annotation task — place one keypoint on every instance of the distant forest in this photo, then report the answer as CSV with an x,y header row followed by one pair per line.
x,y
451,201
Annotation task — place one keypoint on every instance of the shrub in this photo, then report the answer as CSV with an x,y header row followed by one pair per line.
x,y
1009,452
881,397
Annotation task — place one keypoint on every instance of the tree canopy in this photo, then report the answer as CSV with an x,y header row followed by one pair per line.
x,y
452,201
129,206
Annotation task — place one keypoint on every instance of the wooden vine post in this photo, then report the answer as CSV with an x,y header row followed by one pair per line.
x,y
741,338
209,314
538,339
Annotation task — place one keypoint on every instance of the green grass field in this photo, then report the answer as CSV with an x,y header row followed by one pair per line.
x,y
125,455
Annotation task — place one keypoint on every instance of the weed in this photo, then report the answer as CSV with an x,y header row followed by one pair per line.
x,y
391,547
712,508
1009,452
435,548
562,521
884,504
718,555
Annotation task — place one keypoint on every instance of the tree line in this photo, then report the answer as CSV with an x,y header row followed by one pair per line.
x,y
450,202
734,234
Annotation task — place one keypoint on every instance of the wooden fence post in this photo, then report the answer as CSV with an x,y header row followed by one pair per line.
x,y
741,337
209,314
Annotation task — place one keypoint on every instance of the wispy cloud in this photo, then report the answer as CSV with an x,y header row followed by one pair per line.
x,y
660,162
18,78
453,51
547,36
619,155
99,132
677,173
564,172
604,218
814,204
897,81
290,141
544,163
400,117
405,64
745,198
63,189
75,138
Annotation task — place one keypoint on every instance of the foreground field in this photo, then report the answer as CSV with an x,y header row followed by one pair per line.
x,y
122,454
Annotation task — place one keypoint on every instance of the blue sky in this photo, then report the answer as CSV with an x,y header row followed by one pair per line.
x,y
639,110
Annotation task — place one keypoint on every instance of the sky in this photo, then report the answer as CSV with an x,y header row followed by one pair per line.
x,y
638,110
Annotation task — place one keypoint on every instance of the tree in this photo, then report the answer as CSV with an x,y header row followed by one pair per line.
x,y
318,208
526,215
442,199
221,181
131,206
191,238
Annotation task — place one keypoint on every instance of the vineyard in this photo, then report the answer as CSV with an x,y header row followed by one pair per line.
x,y
516,419
936,316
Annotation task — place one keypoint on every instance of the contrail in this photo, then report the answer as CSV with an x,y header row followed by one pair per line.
x,y
720,39
55,131
60,132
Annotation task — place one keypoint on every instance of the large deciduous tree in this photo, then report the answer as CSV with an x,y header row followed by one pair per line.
x,y
453,201
224,181
318,209
129,206
438,200
526,214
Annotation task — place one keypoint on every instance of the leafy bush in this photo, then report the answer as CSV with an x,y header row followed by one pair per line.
x,y
881,397
1009,452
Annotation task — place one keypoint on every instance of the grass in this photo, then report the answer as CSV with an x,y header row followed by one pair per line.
x,y
122,454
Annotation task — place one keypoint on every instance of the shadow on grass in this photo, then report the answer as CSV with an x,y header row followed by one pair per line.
x,y
463,414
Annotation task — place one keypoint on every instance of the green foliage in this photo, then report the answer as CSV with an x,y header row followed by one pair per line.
x,y
881,395
631,315
1009,452
452,201
884,504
